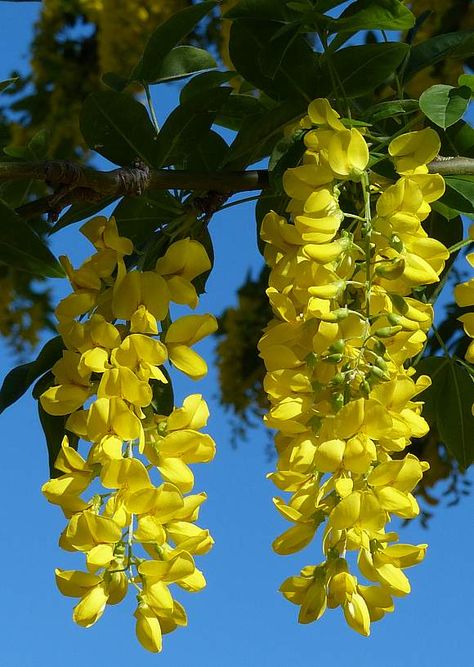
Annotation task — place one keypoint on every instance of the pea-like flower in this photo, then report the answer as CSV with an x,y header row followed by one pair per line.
x,y
104,385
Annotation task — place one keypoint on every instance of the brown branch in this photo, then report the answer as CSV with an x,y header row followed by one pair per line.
x,y
72,182
452,166
124,181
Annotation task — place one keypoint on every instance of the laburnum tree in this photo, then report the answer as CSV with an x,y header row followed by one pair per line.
x,y
366,181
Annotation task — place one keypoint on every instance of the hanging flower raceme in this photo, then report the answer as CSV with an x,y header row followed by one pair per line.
x,y
117,334
342,392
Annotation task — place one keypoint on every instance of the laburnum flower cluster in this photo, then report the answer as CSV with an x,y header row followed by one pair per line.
x,y
344,399
117,333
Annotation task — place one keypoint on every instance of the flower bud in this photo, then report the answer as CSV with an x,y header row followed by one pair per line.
x,y
387,332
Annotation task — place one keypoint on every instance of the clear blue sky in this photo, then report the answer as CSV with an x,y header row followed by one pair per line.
x,y
240,619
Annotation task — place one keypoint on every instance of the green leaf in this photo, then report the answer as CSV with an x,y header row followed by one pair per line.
x,y
138,217
256,49
36,149
45,382
273,10
435,368
260,132
467,80
156,246
384,167
384,110
187,125
461,137
370,15
236,109
465,49
80,211
22,248
19,379
7,82
183,61
54,429
163,396
361,68
270,59
454,418
208,154
448,233
203,236
448,404
19,152
118,127
287,153
459,193
444,105
38,145
165,37
435,49
202,82
115,81
326,5
445,211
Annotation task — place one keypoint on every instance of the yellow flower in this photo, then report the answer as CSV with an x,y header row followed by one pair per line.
x,y
148,628
66,489
123,383
142,355
412,151
181,335
91,607
64,398
378,601
299,536
106,416
83,278
464,293
103,233
348,154
112,369
300,182
142,298
183,261
320,112
337,353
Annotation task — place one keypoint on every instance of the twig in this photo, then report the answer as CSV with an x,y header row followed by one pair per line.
x,y
450,166
72,182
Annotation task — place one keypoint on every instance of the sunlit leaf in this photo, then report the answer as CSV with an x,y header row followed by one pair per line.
x,y
444,105
22,248
20,379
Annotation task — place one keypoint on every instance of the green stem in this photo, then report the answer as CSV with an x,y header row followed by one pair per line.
x,y
368,234
440,341
411,123
459,245
355,217
242,201
333,73
152,109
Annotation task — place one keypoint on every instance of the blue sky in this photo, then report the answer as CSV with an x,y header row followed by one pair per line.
x,y
240,619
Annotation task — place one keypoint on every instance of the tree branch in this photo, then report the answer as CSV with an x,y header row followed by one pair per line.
x,y
72,182
131,180
451,166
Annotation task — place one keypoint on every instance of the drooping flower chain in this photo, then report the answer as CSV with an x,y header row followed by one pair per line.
x,y
116,330
342,393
